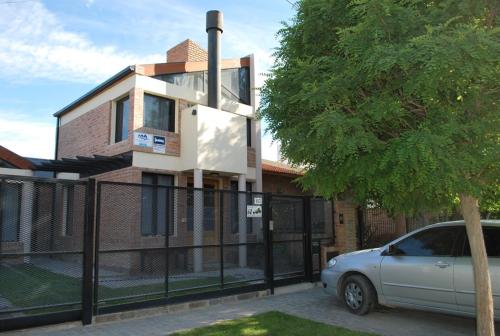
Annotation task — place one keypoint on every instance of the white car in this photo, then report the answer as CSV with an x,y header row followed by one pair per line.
x,y
427,269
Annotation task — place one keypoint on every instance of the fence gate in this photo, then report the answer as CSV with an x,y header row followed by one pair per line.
x,y
159,244
42,225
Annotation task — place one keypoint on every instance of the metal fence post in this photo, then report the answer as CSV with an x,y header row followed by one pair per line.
x,y
88,253
1,213
221,237
267,226
307,238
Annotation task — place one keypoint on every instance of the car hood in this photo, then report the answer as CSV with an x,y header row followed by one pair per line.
x,y
361,253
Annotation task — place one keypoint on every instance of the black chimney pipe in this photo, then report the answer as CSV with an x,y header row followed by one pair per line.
x,y
214,30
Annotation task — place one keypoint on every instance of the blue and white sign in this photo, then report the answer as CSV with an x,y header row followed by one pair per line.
x,y
159,144
143,139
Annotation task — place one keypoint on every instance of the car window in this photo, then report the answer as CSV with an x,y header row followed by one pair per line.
x,y
491,240
431,242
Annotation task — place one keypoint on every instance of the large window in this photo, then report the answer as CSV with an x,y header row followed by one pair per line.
x,y
491,240
432,242
159,113
121,122
235,82
11,211
157,205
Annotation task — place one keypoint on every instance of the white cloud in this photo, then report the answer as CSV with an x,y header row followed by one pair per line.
x,y
34,44
27,138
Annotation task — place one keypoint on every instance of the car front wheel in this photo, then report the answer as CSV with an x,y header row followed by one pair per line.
x,y
358,295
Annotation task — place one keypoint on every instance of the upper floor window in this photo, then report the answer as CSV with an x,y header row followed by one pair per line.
x,y
235,82
121,122
249,132
159,113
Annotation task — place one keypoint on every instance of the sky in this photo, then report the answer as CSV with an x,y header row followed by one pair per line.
x,y
54,51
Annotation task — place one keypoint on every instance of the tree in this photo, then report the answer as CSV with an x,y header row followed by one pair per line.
x,y
396,101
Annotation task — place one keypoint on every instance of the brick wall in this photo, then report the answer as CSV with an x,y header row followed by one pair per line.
x,y
280,184
251,157
187,51
346,234
90,133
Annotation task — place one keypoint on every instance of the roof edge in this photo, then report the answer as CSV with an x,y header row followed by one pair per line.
x,y
104,85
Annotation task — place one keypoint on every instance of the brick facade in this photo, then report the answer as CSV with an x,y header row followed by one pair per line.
x,y
187,51
90,133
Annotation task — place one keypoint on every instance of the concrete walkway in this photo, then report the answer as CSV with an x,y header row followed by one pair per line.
x,y
313,304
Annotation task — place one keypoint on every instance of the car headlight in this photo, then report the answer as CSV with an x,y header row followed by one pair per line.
x,y
332,262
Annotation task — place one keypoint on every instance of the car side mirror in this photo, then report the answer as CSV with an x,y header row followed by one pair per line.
x,y
392,250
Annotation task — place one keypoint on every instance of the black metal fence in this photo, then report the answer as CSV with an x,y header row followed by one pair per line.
x,y
41,249
70,250
377,227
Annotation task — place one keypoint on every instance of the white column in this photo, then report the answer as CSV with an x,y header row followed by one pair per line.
x,y
198,220
26,217
242,223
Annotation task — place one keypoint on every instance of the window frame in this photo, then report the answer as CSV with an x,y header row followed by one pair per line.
x,y
119,120
171,119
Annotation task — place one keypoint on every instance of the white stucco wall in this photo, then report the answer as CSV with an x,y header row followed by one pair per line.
x,y
213,140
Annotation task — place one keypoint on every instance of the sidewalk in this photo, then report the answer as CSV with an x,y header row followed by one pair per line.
x,y
313,304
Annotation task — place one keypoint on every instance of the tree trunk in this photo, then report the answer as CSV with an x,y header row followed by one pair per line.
x,y
484,299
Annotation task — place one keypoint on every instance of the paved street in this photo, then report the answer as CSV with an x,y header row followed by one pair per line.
x,y
312,303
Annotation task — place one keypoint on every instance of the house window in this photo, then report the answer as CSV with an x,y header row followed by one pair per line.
x,y
121,122
249,132
67,218
208,207
159,113
235,208
11,211
157,205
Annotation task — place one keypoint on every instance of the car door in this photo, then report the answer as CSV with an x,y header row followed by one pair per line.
x,y
464,277
419,271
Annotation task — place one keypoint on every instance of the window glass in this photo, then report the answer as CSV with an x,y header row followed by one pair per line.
x,y
122,114
431,242
235,82
491,240
157,205
249,132
11,211
159,113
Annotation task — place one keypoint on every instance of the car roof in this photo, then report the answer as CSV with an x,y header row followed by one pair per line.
x,y
484,222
